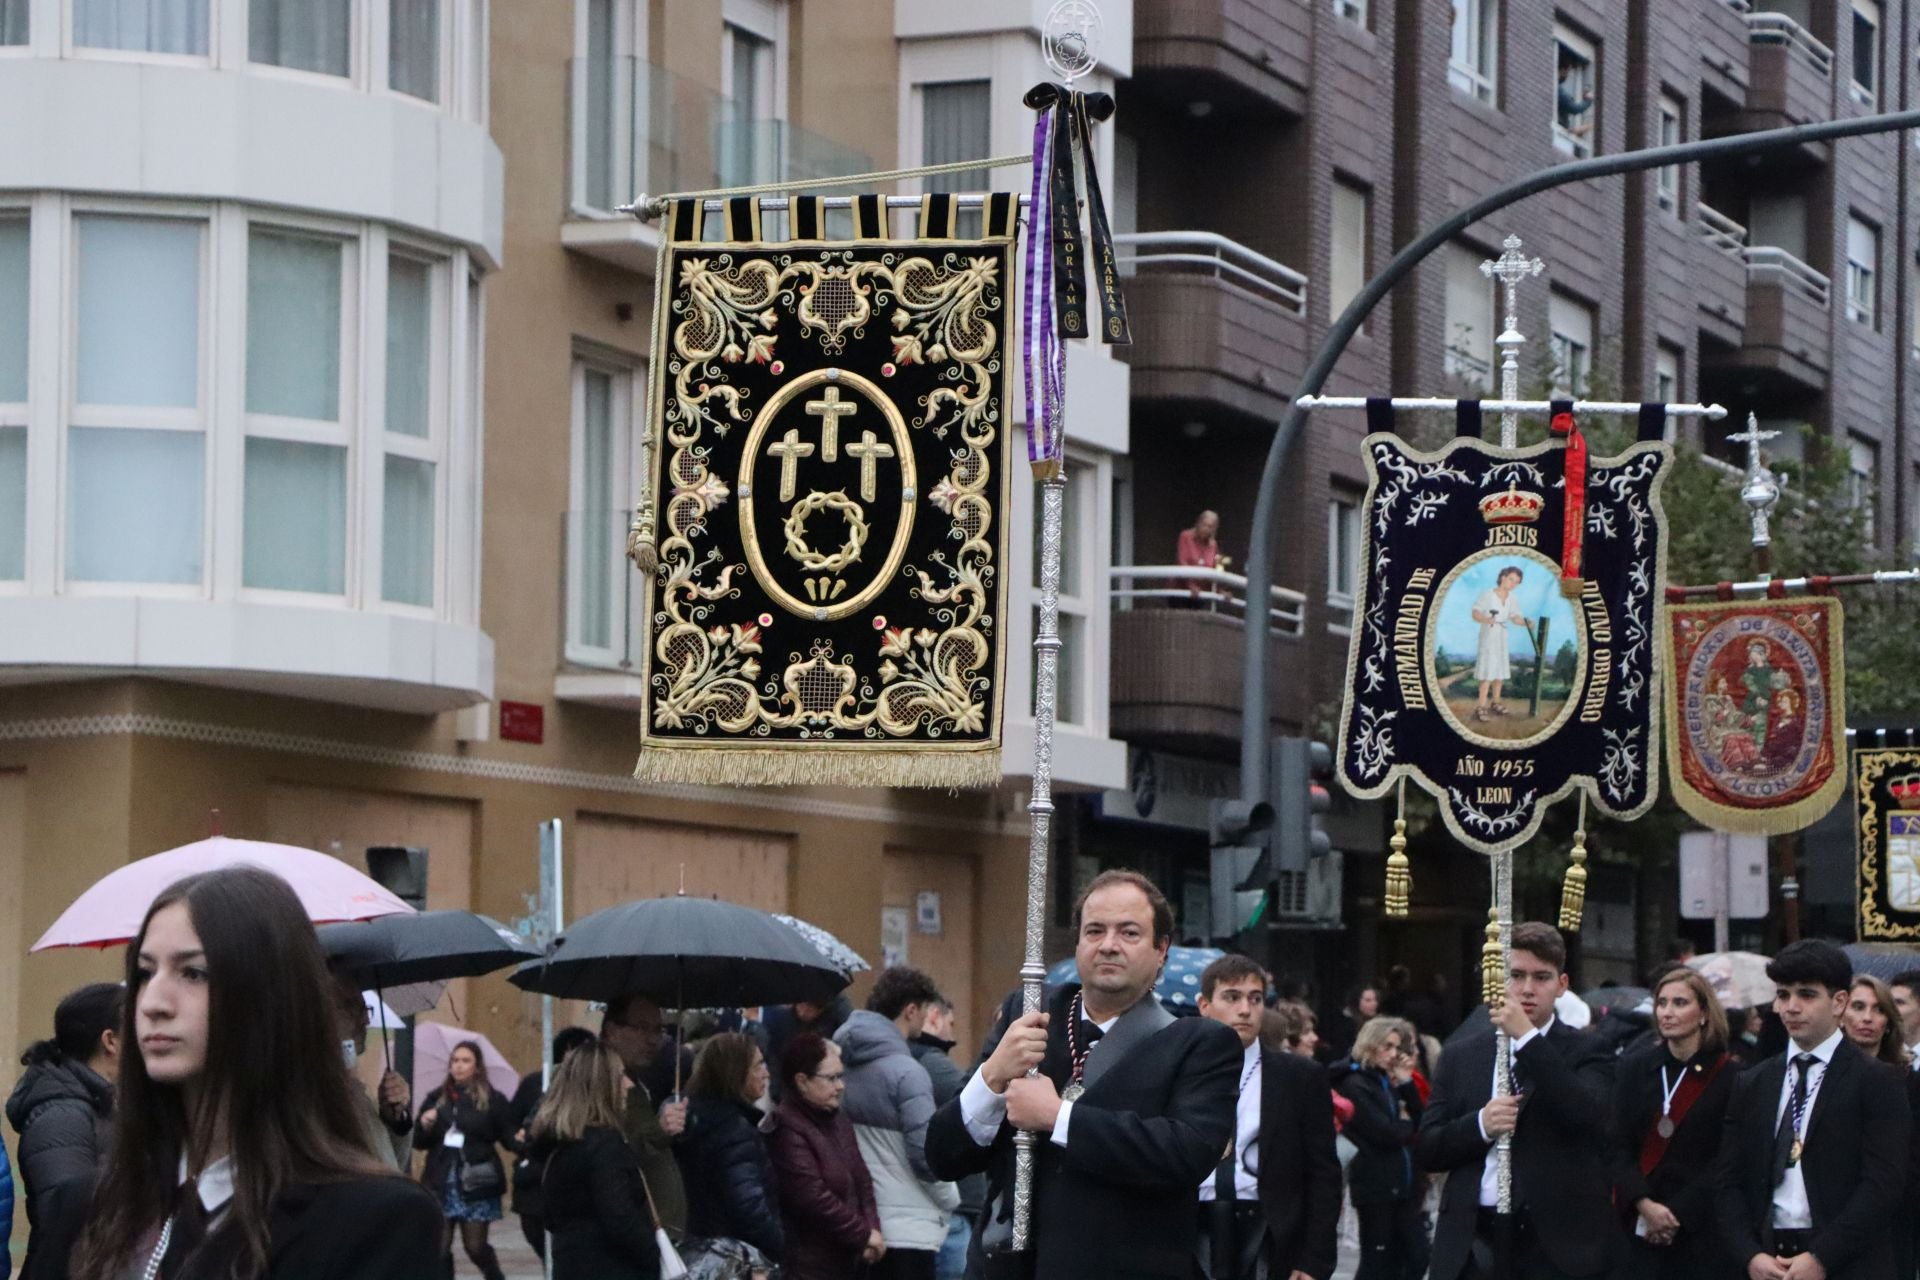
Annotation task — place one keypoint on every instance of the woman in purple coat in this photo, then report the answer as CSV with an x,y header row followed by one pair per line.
x,y
826,1193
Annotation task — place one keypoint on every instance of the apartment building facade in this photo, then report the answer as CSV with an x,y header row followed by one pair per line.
x,y
323,358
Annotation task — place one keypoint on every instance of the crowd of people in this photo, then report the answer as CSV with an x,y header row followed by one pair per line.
x,y
200,1121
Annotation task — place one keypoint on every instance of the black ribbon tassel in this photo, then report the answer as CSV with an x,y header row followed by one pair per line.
x,y
1074,116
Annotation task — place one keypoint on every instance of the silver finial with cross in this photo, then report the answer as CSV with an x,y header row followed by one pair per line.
x,y
1762,487
1510,268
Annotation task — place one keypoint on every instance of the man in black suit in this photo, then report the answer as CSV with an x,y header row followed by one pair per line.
x,y
1132,1108
1814,1161
1562,1221
1272,1207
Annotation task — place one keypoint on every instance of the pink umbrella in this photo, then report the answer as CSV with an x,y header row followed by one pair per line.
x,y
110,912
433,1044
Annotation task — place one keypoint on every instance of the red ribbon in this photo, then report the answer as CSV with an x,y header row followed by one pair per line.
x,y
1653,1147
1576,496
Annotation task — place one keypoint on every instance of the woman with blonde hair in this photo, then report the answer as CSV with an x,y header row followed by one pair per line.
x,y
1670,1101
599,1225
1380,1178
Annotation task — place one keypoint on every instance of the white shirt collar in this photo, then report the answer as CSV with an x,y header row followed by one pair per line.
x,y
1823,1051
215,1183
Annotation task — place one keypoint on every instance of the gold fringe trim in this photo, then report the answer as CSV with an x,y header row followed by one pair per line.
x,y
1493,963
746,766
1399,870
1573,890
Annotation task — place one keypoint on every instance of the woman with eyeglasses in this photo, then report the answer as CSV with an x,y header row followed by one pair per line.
x,y
1670,1101
1380,1178
832,1224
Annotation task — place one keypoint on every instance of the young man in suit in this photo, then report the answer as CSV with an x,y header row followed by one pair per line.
x,y
1271,1208
1814,1161
1131,1108
1562,1222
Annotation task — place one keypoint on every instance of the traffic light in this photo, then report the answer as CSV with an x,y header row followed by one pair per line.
x,y
1301,771
1239,875
401,871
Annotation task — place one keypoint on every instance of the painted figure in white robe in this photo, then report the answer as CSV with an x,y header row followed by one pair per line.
x,y
1495,611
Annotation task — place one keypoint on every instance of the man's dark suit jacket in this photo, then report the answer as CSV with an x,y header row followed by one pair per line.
x,y
1560,1170
1119,1200
1299,1168
1855,1163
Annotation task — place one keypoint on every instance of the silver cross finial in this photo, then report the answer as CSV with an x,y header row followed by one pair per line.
x,y
1510,268
1070,40
1762,487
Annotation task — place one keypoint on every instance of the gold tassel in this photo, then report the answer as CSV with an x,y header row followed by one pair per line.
x,y
640,548
1493,963
1399,870
1573,891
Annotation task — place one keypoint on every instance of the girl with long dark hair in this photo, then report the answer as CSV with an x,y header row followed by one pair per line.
x,y
235,1151
62,1108
731,1190
462,1123
1670,1100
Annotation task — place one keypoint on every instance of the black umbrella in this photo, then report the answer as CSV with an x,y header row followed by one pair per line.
x,y
683,953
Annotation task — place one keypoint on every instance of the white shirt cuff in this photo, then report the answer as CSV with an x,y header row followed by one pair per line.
x,y
981,1111
1480,1119
1060,1124
1527,1039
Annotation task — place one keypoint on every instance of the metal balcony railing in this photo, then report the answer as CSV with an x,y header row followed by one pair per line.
x,y
1770,264
1722,232
1738,6
1218,592
1778,28
1211,254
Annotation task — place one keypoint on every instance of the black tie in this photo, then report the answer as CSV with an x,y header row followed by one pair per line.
x,y
1790,1118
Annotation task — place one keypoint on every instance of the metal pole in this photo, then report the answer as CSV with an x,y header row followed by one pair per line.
x,y
1260,550
1046,666
1502,1043
1722,888
1879,578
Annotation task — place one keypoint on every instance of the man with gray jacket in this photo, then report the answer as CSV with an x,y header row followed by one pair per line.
x,y
890,1100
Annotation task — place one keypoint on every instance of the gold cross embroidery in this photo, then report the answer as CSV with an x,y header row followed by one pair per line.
x,y
790,451
831,410
868,451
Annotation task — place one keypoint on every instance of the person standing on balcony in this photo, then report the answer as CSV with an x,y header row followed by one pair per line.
x,y
1199,550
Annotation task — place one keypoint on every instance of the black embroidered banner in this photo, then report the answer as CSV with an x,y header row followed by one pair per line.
x,y
828,430
1886,794
1471,671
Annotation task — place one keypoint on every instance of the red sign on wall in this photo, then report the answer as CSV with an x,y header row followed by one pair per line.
x,y
522,722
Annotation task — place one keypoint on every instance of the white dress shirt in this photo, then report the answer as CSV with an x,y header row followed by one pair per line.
x,y
1246,1185
1791,1211
1490,1174
1913,1056
982,1110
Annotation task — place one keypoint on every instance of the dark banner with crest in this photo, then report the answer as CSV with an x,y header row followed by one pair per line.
x,y
1489,665
828,427
1886,793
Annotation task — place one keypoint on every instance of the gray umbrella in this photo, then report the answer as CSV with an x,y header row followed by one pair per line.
x,y
683,953
1884,963
839,954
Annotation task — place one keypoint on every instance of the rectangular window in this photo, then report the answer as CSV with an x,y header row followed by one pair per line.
x,y
1470,322
406,544
1472,67
1866,52
597,574
1354,11
138,346
1351,226
1343,551
956,123
409,345
13,21
134,505
295,516
750,139
142,26
1863,481
749,67
1575,116
1673,131
13,503
13,310
304,35
1666,374
599,70
1571,322
1863,271
413,50
293,325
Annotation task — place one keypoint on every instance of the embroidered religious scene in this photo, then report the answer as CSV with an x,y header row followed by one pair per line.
x,y
1756,718
828,428
1886,811
1503,656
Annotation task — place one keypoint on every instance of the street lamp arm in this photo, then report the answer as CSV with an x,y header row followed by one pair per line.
x,y
1261,549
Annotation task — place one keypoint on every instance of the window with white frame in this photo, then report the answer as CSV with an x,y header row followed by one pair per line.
x,y
600,490
1576,117
13,21
1866,52
1343,555
303,35
1473,65
1863,271
142,26
1863,481
1666,374
14,267
752,54
136,439
1672,132
956,123
1571,324
294,522
1080,590
1351,223
408,492
1470,322
1354,11
415,29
